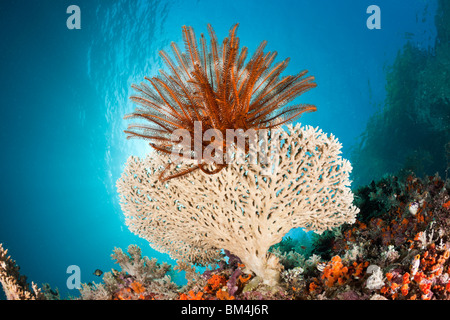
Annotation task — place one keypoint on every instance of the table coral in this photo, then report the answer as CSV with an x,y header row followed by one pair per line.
x,y
241,209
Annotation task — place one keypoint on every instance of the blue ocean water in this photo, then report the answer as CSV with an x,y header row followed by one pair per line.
x,y
64,94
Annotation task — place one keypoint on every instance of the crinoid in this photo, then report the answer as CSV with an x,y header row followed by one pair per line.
x,y
213,88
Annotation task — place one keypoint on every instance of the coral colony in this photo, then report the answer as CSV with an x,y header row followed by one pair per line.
x,y
239,209
226,182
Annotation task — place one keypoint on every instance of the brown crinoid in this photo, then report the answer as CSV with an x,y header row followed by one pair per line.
x,y
214,87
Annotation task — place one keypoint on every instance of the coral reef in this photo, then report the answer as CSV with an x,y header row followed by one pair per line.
x,y
14,284
241,209
387,240
394,253
398,249
229,280
141,278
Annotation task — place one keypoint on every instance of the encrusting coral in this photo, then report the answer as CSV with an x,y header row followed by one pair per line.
x,y
241,209
401,255
14,284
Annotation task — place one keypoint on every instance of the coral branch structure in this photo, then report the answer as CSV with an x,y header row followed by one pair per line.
x,y
14,284
240,209
140,278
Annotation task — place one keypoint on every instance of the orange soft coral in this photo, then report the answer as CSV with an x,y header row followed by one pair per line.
x,y
224,295
446,205
244,280
312,287
215,283
405,289
192,296
335,271
137,287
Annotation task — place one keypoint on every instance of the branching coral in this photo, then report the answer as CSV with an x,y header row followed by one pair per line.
x,y
141,278
240,209
15,285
